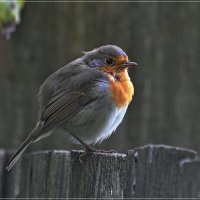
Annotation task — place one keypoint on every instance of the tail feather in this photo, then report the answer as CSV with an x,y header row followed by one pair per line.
x,y
34,134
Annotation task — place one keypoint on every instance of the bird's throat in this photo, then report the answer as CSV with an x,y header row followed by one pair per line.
x,y
121,88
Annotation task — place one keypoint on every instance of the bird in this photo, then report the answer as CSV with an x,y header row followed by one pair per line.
x,y
87,98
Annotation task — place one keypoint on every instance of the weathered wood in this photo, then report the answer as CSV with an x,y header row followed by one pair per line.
x,y
9,182
101,176
157,170
2,158
60,174
190,179
46,174
152,171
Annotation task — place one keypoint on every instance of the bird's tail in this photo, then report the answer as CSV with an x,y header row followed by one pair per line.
x,y
34,134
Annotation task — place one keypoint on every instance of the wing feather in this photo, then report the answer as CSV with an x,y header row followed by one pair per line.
x,y
69,96
68,107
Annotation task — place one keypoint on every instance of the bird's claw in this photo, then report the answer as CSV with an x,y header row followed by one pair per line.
x,y
90,151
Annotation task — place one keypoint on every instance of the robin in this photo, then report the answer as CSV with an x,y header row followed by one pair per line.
x,y
87,98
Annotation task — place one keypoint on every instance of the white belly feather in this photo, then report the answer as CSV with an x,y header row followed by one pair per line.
x,y
115,119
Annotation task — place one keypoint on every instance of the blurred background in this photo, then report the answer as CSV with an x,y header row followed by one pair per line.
x,y
164,38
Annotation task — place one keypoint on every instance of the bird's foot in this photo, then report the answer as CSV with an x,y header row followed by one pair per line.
x,y
91,151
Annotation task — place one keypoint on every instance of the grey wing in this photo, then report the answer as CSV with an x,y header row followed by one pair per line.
x,y
63,108
69,98
62,96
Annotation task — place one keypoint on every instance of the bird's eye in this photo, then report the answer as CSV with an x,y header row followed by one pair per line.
x,y
109,61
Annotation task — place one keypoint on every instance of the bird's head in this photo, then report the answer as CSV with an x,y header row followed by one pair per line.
x,y
110,59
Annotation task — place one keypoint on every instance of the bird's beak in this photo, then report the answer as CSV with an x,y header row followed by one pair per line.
x,y
129,64
126,65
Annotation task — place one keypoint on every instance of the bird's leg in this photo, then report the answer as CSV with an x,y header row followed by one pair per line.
x,y
89,150
87,147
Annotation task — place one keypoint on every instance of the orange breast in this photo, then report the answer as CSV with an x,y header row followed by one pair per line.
x,y
121,89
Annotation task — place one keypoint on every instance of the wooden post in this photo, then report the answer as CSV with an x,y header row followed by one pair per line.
x,y
157,170
60,174
150,171
190,179
9,182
